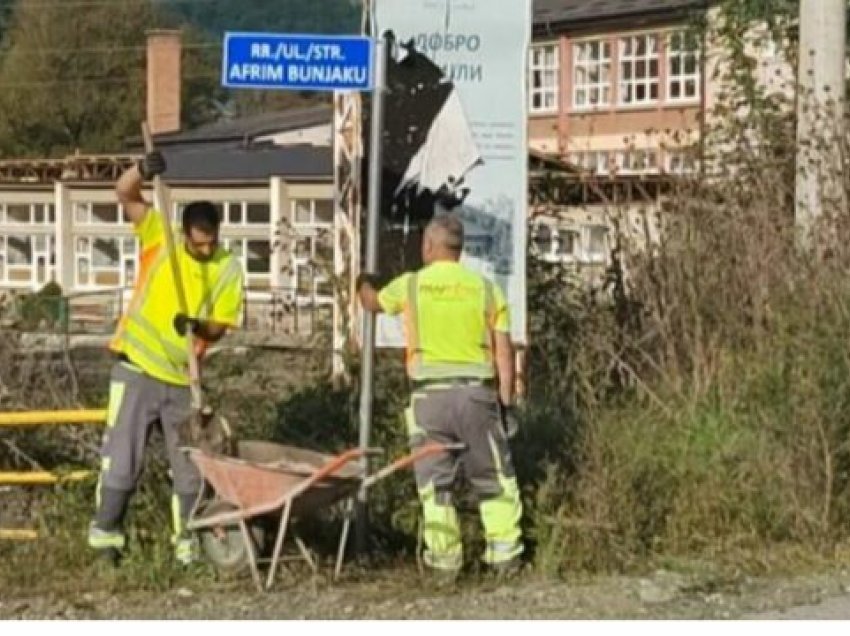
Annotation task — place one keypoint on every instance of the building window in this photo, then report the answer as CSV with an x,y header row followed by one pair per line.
x,y
255,256
591,74
556,245
637,162
639,76
258,213
313,212
258,259
28,213
244,213
312,263
594,161
543,78
26,260
89,213
597,244
680,161
683,72
230,213
105,261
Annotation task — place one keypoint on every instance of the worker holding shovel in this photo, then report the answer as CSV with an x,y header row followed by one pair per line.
x,y
188,293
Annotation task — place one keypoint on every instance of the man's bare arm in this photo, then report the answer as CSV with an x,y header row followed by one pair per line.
x,y
128,189
504,355
369,297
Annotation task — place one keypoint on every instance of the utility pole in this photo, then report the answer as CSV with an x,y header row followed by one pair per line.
x,y
820,110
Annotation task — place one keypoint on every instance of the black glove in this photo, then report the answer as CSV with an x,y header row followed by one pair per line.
x,y
182,324
509,419
151,165
363,278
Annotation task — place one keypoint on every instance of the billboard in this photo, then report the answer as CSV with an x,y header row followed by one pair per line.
x,y
456,139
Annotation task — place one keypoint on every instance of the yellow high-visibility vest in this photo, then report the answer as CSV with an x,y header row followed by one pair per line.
x,y
449,312
146,333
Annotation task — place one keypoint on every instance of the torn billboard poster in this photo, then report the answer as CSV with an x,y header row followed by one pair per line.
x,y
455,138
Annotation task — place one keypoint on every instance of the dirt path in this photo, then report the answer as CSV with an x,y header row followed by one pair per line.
x,y
397,594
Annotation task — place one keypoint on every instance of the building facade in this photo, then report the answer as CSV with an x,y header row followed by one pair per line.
x,y
617,86
623,91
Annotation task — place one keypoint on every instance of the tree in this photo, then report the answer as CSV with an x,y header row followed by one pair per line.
x,y
71,78
284,16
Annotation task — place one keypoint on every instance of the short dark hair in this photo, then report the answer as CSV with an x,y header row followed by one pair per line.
x,y
201,215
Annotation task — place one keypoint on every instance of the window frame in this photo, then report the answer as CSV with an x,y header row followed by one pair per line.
x,y
544,91
633,59
674,53
605,45
47,209
125,278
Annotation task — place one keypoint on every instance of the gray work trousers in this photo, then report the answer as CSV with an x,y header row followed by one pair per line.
x,y
136,403
465,414
469,415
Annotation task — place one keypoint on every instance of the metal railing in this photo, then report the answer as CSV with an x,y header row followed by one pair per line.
x,y
24,419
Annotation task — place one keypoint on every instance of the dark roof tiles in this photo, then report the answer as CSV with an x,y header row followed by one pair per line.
x,y
254,163
580,11
252,126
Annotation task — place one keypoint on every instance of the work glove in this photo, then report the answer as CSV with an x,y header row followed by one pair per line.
x,y
509,420
151,165
183,323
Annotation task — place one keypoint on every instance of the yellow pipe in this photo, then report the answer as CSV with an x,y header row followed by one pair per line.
x,y
14,534
34,418
35,477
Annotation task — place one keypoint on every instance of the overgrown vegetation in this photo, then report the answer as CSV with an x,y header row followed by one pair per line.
x,y
706,394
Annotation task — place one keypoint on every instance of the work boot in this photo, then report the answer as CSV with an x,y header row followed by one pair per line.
x,y
186,550
507,570
106,544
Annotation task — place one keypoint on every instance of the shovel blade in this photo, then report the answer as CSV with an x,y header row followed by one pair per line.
x,y
208,431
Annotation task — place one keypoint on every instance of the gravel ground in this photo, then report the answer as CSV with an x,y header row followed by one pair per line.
x,y
398,593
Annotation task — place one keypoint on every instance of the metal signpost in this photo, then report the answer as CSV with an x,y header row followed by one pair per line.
x,y
270,61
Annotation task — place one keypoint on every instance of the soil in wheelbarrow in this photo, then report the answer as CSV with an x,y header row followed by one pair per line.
x,y
265,472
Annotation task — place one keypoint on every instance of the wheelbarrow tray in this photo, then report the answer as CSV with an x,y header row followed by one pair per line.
x,y
263,473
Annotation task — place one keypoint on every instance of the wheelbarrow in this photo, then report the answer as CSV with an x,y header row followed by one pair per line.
x,y
265,478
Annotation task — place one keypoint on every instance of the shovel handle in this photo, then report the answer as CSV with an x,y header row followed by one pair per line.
x,y
161,203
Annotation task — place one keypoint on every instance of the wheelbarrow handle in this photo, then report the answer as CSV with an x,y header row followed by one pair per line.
x,y
433,448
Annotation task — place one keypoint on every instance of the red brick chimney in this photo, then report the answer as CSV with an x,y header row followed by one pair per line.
x,y
164,50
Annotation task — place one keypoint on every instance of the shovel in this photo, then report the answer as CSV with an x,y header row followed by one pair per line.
x,y
202,429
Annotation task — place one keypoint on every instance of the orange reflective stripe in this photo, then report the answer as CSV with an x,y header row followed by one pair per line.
x,y
148,263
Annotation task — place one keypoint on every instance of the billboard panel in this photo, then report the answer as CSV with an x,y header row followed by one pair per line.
x,y
455,137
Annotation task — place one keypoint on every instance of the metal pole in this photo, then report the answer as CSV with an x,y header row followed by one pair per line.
x,y
367,368
820,109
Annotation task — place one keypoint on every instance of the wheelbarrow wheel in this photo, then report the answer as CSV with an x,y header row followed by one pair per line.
x,y
224,546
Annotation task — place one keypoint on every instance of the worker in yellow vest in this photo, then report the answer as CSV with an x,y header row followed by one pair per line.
x,y
460,362
149,382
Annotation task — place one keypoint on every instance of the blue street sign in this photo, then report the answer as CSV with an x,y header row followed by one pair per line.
x,y
297,62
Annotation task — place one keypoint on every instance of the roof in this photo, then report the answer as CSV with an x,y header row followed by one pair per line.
x,y
562,14
254,163
248,128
